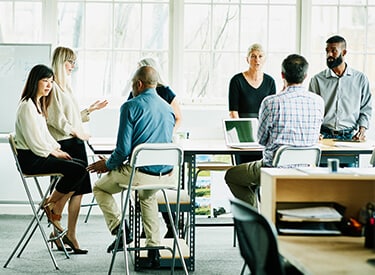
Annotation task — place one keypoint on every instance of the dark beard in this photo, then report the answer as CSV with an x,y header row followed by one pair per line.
x,y
335,62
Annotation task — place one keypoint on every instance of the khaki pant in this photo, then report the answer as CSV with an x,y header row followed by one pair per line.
x,y
242,180
113,182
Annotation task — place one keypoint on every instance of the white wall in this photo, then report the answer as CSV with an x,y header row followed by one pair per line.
x,y
200,122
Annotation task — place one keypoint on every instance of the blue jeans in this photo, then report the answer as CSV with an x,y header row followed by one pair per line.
x,y
343,135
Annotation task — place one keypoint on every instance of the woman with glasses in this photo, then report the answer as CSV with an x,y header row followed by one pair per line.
x,y
65,123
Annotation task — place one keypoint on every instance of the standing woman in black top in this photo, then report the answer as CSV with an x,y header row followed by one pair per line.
x,y
248,89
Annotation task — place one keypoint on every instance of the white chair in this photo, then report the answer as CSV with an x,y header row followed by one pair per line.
x,y
290,156
36,207
149,154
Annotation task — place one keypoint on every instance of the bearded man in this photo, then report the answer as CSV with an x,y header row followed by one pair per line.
x,y
346,94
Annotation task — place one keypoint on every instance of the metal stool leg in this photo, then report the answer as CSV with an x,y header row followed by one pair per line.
x,y
90,205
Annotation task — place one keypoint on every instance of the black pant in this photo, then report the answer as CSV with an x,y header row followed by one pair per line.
x,y
74,170
76,149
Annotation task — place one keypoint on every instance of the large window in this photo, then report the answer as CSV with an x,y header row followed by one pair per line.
x,y
217,35
110,37
200,44
352,19
20,21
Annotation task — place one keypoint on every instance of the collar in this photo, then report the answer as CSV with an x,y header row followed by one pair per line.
x,y
330,73
148,91
298,88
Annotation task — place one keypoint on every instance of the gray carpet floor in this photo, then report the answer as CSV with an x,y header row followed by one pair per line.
x,y
214,250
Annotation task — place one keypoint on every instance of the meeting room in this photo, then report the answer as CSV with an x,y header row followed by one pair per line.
x,y
187,136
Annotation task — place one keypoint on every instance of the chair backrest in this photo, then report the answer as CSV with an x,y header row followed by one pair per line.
x,y
12,144
148,154
257,240
13,148
290,156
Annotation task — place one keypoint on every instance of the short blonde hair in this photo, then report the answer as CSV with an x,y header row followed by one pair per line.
x,y
255,47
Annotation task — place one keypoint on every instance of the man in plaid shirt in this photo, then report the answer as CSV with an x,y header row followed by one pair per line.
x,y
292,117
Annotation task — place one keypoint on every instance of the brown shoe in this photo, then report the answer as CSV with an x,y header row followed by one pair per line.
x,y
52,217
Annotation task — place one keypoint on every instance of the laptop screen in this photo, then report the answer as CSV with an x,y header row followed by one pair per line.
x,y
240,130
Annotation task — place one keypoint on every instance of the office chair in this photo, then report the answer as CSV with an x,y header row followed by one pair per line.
x,y
149,154
38,211
290,156
257,240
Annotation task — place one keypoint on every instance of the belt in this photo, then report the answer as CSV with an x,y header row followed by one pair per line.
x,y
154,173
334,132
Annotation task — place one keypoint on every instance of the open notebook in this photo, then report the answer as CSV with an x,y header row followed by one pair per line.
x,y
241,132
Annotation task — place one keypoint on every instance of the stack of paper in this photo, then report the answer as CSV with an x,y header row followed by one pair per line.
x,y
310,214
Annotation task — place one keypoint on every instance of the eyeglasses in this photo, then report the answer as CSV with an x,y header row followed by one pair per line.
x,y
72,62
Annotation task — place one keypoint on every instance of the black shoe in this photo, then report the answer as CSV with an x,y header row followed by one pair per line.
x,y
129,235
169,234
153,258
120,247
129,239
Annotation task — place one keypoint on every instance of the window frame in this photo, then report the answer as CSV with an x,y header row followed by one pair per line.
x,y
176,40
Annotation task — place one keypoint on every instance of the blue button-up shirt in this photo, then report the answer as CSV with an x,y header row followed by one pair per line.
x,y
146,118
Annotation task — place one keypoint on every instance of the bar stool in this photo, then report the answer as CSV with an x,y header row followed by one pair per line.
x,y
36,207
149,154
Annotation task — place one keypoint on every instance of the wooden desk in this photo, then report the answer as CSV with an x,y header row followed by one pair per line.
x,y
192,148
344,151
351,189
321,254
328,255
347,152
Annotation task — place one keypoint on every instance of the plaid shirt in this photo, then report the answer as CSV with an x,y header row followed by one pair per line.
x,y
292,117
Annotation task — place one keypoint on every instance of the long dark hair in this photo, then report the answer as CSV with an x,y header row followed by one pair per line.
x,y
30,91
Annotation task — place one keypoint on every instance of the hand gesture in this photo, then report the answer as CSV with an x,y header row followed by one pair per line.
x,y
360,135
97,105
81,136
98,166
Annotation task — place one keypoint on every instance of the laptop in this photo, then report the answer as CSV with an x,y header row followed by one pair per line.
x,y
241,132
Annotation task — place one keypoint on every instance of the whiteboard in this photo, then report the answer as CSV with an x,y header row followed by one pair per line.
x,y
16,61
